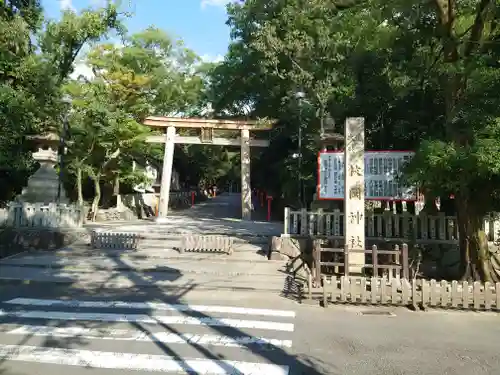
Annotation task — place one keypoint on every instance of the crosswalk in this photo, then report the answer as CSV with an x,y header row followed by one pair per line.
x,y
146,336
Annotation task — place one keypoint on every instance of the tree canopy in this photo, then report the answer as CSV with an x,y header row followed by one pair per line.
x,y
423,74
36,58
149,74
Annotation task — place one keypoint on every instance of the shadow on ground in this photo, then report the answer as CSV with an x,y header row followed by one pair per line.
x,y
220,215
269,353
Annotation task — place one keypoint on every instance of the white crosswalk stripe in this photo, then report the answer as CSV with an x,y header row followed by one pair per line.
x,y
150,305
164,337
159,332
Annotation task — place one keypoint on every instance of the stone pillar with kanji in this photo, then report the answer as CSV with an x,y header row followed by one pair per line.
x,y
354,201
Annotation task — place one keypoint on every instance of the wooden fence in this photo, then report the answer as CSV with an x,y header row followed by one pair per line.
x,y
37,215
114,240
207,243
395,263
422,293
421,228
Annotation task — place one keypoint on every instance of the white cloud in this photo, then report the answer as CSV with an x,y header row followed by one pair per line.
x,y
81,69
212,58
214,3
66,5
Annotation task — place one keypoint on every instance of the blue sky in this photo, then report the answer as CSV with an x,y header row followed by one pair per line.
x,y
200,23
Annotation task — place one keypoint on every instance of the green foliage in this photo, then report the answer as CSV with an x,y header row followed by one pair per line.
x,y
423,74
150,74
36,57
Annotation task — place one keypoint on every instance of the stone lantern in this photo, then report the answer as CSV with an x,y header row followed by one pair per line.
x,y
43,185
328,138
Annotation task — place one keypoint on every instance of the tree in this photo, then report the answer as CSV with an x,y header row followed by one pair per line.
x,y
464,158
278,49
102,135
149,74
36,58
422,74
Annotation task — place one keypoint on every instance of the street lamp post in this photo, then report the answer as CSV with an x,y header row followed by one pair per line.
x,y
300,183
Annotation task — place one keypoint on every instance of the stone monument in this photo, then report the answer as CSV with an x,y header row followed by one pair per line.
x,y
354,190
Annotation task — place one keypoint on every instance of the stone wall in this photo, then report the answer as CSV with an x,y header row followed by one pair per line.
x,y
116,214
16,240
40,215
142,205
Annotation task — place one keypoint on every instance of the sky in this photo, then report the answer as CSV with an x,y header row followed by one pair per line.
x,y
200,23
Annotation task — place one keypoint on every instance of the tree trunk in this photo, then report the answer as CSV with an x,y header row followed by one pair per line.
x,y
79,187
476,260
97,197
430,207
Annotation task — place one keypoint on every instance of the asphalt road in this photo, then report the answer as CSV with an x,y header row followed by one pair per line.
x,y
93,329
61,329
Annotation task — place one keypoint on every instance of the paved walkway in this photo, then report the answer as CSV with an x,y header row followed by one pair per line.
x,y
157,261
220,215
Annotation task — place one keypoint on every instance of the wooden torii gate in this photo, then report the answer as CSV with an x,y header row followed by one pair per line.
x,y
206,137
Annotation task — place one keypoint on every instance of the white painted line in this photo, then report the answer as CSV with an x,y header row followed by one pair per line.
x,y
149,319
163,337
150,305
138,362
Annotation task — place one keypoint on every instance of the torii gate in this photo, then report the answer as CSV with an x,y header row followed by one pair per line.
x,y
206,128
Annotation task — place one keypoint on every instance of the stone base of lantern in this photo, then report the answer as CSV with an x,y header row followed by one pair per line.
x,y
43,185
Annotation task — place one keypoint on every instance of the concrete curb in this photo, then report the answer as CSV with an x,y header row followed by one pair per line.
x,y
14,255
144,269
5,281
135,255
175,235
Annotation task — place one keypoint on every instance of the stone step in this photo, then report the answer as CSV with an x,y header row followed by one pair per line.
x,y
176,237
174,245
180,226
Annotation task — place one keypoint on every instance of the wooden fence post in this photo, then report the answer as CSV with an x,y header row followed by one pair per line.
x,y
286,221
346,260
375,260
317,261
405,262
396,259
303,221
